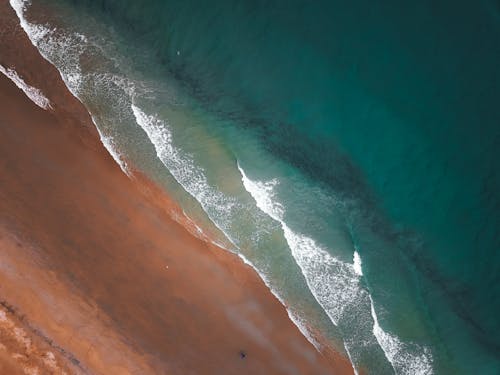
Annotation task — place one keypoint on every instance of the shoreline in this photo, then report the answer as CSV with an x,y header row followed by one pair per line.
x,y
136,292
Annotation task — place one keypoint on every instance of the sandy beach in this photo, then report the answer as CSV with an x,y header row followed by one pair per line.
x,y
95,275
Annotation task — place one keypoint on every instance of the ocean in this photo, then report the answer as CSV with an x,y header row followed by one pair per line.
x,y
348,151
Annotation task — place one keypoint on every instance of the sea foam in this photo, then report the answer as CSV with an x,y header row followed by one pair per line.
x,y
110,146
217,205
34,94
357,263
34,32
404,360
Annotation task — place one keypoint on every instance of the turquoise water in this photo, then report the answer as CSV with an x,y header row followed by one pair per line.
x,y
347,150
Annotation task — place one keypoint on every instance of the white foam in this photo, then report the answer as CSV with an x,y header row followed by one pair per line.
x,y
61,49
408,359
302,326
110,146
34,94
262,192
35,32
217,205
357,263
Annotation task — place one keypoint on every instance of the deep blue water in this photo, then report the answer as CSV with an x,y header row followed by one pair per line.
x,y
372,127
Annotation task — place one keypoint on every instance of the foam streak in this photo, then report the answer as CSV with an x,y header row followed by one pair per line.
x,y
34,94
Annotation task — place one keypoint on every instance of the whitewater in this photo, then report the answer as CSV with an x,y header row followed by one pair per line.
x,y
34,94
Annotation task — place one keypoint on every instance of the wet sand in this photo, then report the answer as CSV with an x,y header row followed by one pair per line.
x,y
96,276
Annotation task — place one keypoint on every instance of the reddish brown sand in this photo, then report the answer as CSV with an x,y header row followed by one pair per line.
x,y
95,276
